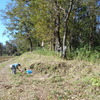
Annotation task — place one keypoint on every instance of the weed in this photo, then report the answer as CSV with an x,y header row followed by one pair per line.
x,y
56,79
18,83
58,96
36,81
28,75
36,98
2,65
87,55
95,81
46,52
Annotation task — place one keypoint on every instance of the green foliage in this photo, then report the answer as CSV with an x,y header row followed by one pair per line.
x,y
32,21
86,54
46,52
95,81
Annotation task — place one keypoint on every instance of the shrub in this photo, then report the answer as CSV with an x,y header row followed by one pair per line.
x,y
95,81
86,54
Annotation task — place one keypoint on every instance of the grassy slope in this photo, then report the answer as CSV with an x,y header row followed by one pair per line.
x,y
52,79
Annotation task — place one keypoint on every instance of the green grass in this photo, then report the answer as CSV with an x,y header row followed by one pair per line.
x,y
56,78
95,81
80,54
87,55
1,66
46,52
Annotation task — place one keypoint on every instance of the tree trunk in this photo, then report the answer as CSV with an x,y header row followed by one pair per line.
x,y
30,43
58,30
57,39
54,40
67,14
64,50
28,37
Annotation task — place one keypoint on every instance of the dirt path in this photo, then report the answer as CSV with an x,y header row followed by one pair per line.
x,y
5,82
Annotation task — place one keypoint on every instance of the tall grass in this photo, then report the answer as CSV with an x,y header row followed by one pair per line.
x,y
86,54
80,54
46,52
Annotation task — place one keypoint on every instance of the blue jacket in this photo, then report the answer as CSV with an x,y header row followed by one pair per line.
x,y
15,66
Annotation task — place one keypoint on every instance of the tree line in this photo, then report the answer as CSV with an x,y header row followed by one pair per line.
x,y
8,49
62,25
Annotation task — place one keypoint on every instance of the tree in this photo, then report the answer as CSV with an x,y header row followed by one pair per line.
x,y
19,23
1,49
63,25
67,15
10,48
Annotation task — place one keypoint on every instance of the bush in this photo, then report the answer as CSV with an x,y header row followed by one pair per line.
x,y
86,54
95,81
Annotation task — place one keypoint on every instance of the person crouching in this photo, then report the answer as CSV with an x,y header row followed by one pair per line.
x,y
14,67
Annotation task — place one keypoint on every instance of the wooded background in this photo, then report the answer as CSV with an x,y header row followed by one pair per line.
x,y
58,25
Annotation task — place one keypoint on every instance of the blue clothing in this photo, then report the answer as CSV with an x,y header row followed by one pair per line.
x,y
15,66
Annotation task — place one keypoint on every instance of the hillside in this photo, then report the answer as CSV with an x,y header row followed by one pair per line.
x,y
52,79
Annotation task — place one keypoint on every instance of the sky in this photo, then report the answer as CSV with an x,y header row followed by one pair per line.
x,y
3,39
